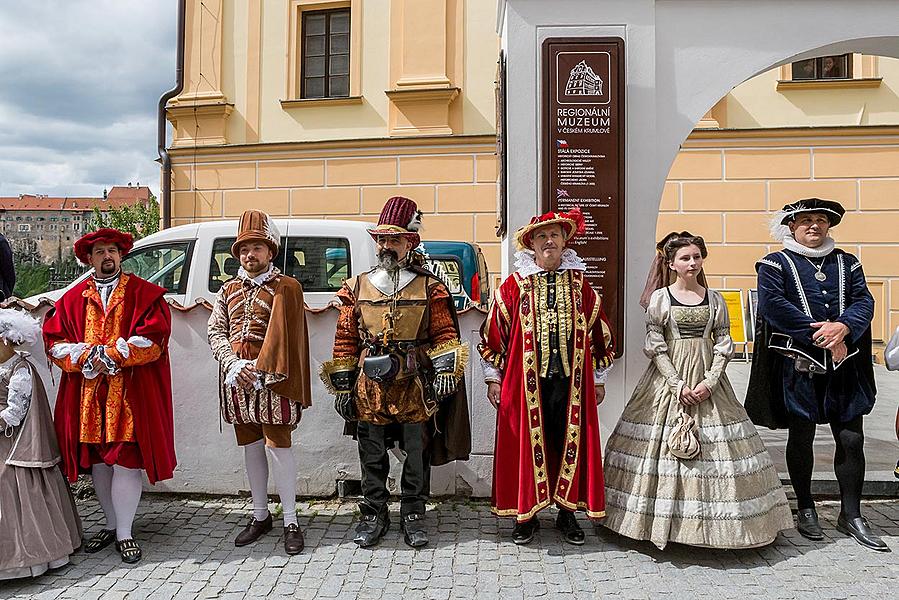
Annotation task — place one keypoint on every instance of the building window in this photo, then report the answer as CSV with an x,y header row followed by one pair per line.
x,y
823,67
326,54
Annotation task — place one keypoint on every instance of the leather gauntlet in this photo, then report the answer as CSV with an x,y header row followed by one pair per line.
x,y
448,362
339,376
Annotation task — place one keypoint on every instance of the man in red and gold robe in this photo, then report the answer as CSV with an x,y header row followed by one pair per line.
x,y
546,347
109,335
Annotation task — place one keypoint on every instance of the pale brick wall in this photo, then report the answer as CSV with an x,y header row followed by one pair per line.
x,y
725,191
455,188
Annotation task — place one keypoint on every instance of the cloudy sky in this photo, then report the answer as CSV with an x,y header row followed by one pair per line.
x,y
79,85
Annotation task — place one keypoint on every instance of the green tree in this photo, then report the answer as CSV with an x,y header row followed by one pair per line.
x,y
137,219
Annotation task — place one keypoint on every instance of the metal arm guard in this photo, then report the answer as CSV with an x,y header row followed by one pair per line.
x,y
448,362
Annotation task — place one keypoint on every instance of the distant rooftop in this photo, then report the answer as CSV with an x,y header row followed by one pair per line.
x,y
117,197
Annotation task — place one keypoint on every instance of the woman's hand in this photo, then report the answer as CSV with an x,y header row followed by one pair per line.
x,y
702,392
600,393
688,397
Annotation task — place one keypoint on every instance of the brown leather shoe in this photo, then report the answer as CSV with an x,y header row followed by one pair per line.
x,y
293,539
253,531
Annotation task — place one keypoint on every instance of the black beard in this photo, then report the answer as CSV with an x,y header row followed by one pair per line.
x,y
107,271
388,260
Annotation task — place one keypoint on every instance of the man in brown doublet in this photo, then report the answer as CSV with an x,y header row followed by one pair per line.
x,y
257,332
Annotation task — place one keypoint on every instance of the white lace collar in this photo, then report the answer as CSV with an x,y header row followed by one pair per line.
x,y
526,265
823,250
261,278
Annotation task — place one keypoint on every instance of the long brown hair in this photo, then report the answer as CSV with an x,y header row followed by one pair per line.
x,y
659,274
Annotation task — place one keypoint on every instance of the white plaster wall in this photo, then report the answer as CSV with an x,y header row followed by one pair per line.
x,y
681,57
209,460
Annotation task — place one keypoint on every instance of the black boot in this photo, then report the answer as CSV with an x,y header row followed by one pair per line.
x,y
859,529
807,524
414,532
566,522
372,525
524,531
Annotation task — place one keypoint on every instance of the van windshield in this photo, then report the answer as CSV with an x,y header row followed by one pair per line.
x,y
166,265
320,264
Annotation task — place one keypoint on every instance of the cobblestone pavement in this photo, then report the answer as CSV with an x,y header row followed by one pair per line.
x,y
189,553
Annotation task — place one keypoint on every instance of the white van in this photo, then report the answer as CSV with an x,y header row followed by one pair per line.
x,y
193,261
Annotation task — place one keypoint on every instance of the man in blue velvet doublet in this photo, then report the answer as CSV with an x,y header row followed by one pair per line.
x,y
812,357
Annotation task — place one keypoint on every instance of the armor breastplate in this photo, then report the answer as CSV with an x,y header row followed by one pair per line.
x,y
405,312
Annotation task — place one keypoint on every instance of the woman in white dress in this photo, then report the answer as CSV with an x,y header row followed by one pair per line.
x,y
684,463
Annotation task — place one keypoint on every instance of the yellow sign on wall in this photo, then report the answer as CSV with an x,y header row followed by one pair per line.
x,y
734,301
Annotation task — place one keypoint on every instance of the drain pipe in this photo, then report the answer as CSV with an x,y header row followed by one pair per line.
x,y
164,157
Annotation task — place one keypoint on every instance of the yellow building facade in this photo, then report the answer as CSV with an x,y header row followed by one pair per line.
x,y
409,108
775,139
410,111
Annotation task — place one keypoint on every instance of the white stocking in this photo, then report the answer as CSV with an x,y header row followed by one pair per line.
x,y
126,490
284,463
257,474
101,475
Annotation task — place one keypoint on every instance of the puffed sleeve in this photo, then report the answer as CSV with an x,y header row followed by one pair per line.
x,y
723,350
18,398
656,347
495,334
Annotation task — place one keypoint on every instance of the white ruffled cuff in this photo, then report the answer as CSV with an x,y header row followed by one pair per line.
x,y
601,374
74,350
124,347
18,398
235,369
491,373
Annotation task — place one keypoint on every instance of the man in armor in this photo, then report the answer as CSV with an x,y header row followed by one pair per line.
x,y
812,358
398,363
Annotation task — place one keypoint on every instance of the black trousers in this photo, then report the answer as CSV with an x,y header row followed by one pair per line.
x,y
848,462
415,482
554,408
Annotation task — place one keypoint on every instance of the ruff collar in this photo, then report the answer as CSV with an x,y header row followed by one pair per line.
x,y
819,252
526,265
261,278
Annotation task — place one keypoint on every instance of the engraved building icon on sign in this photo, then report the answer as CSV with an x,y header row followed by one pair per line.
x,y
582,81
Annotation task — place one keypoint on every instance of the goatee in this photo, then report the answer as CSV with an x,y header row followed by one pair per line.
x,y
388,260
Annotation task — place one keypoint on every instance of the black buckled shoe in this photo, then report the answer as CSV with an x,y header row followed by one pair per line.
x,y
100,540
566,522
293,539
524,532
372,526
807,524
859,529
253,531
414,532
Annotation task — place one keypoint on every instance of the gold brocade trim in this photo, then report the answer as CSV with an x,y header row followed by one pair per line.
x,y
498,302
116,424
531,387
512,512
571,450
553,320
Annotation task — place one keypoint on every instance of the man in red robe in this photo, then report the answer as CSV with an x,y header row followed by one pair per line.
x,y
546,347
113,415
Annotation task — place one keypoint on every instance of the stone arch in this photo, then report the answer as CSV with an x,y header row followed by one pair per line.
x,y
682,57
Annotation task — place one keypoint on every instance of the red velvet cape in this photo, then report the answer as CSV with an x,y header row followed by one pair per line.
x,y
149,386
527,476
